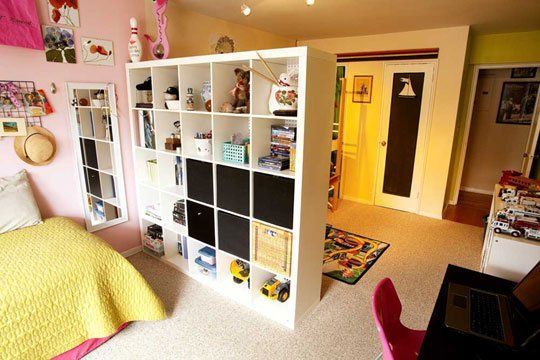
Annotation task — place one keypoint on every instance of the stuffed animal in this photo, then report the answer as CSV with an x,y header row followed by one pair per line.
x,y
241,91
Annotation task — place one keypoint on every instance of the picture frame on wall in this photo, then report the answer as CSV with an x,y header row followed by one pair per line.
x,y
64,12
97,51
524,73
518,101
12,126
362,86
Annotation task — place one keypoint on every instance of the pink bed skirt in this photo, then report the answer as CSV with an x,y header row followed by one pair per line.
x,y
81,350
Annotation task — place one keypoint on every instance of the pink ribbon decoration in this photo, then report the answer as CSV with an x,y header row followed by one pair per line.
x,y
19,24
11,91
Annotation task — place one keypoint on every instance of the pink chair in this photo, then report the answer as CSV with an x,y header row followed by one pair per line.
x,y
398,341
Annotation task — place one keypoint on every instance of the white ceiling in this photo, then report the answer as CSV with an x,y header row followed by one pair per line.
x,y
336,18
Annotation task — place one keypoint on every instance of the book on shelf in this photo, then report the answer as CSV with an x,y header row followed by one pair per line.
x,y
179,212
178,175
153,211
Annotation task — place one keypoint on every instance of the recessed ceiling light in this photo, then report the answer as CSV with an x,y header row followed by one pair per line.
x,y
246,10
310,2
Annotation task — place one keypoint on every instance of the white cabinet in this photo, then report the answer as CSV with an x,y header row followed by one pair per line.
x,y
506,256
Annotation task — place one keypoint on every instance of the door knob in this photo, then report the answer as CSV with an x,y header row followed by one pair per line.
x,y
525,155
383,143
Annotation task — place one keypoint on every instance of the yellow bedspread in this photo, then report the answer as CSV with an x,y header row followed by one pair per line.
x,y
60,285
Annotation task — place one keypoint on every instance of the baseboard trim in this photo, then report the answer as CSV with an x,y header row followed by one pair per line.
x,y
132,251
355,199
430,215
475,190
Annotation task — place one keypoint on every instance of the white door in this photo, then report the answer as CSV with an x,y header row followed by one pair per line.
x,y
531,156
407,92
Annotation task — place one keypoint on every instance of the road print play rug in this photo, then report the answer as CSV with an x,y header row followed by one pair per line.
x,y
348,256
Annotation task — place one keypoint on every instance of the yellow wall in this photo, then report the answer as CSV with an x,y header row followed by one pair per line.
x,y
191,33
452,44
360,135
523,47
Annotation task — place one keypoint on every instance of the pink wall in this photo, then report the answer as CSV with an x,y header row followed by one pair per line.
x,y
56,186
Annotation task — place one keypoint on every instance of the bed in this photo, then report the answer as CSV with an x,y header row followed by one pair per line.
x,y
61,286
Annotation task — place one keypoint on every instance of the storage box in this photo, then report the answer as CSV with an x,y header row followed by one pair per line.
x,y
235,153
272,248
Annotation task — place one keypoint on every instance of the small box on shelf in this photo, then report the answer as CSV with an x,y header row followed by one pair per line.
x,y
153,240
207,262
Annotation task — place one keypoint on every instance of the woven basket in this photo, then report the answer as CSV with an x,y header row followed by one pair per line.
x,y
272,248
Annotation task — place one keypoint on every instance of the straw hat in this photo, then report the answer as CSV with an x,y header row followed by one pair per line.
x,y
37,147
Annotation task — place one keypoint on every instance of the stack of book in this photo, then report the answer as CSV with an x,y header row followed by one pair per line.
x,y
153,211
179,212
282,139
274,162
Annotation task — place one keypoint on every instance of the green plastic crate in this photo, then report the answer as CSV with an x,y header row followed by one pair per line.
x,y
235,153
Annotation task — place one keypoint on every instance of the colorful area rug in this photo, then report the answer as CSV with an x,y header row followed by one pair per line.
x,y
348,256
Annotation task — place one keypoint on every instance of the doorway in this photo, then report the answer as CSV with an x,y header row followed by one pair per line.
x,y
405,114
501,134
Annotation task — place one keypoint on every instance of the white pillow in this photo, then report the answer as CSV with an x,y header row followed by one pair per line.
x,y
18,207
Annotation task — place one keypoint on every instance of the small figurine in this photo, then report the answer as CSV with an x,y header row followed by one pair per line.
x,y
227,107
206,95
241,92
190,104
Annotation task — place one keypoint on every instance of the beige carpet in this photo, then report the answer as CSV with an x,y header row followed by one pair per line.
x,y
204,325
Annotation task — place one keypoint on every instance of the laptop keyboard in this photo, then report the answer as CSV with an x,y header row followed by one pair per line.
x,y
486,315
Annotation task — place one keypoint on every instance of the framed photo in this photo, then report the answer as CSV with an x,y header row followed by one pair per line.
x,y
362,88
524,73
59,44
64,12
97,52
12,127
518,100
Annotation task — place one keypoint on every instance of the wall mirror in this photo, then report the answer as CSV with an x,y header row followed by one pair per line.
x,y
96,140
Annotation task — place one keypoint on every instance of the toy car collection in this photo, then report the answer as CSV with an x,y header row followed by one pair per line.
x,y
276,288
520,215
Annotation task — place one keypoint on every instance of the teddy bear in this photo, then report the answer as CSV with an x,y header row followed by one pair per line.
x,y
241,91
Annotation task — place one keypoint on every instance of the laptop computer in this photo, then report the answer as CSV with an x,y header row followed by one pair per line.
x,y
508,319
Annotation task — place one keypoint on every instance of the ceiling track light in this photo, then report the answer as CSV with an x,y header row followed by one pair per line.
x,y
246,10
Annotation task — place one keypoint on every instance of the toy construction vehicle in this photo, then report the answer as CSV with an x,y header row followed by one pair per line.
x,y
276,289
239,271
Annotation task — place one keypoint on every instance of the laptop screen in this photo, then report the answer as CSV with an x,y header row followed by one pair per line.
x,y
528,290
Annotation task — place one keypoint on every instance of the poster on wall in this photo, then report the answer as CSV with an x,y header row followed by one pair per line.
x,y
64,12
518,100
97,52
59,44
20,24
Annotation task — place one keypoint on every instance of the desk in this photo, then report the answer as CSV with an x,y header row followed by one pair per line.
x,y
441,342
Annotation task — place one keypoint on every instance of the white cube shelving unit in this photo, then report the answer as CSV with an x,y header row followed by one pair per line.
x,y
200,180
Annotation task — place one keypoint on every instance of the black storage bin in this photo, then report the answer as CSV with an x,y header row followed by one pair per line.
x,y
233,232
273,199
201,223
233,189
200,181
